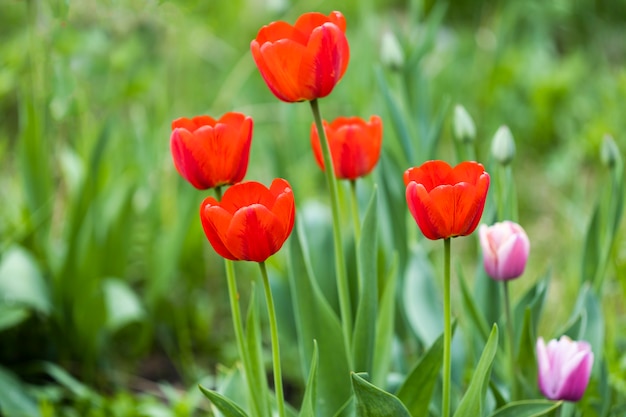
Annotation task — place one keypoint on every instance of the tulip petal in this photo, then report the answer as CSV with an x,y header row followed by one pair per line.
x,y
284,206
215,222
190,158
255,233
279,64
430,174
575,376
245,194
424,211
324,61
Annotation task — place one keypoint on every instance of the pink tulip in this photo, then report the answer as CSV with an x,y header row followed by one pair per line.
x,y
505,250
564,368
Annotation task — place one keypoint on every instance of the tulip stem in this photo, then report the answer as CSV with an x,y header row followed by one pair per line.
x,y
447,331
343,287
278,379
509,323
254,392
355,212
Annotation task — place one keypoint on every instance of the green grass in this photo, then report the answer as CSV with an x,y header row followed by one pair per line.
x,y
94,212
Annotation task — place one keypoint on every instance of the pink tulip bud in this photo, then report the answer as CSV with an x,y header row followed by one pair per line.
x,y
564,368
505,250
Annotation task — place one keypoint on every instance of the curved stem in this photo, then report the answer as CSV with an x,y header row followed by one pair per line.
x,y
509,325
254,392
447,331
343,287
278,379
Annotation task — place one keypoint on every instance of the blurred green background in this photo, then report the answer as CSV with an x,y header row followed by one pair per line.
x,y
105,274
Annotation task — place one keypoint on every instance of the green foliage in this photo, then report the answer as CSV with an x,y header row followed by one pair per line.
x,y
105,275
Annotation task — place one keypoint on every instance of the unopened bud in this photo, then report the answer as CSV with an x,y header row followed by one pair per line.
x,y
463,125
609,153
391,53
503,145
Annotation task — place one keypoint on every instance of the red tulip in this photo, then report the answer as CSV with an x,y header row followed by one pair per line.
x,y
304,61
251,223
354,145
444,201
209,153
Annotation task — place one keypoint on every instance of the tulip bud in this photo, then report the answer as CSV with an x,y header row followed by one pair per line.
x,y
564,368
503,145
609,153
463,125
391,53
505,250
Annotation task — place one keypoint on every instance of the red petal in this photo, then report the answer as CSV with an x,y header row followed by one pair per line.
x,y
279,64
255,234
284,207
423,211
245,194
188,158
215,222
430,174
325,60
467,171
276,31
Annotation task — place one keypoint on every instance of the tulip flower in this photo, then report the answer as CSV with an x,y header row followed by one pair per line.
x,y
444,201
304,61
354,145
210,153
564,368
252,222
505,249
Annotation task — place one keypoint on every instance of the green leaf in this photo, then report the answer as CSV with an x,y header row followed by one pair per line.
x,y
307,408
11,315
316,320
385,325
471,404
226,406
534,300
122,304
477,318
254,354
397,119
528,408
526,362
365,323
487,295
371,401
422,300
21,281
418,387
14,400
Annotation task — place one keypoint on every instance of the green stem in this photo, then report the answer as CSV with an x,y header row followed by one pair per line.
x,y
355,212
278,379
343,288
254,392
447,331
509,325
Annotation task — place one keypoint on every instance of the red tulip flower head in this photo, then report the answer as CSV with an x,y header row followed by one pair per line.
x,y
209,153
564,368
304,61
252,222
354,145
444,201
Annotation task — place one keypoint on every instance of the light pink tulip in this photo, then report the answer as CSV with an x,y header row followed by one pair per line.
x,y
564,367
505,249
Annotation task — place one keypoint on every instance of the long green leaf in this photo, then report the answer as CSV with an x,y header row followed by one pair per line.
x,y
418,387
529,408
365,323
316,320
310,392
371,401
471,404
254,352
422,300
385,325
21,281
226,406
